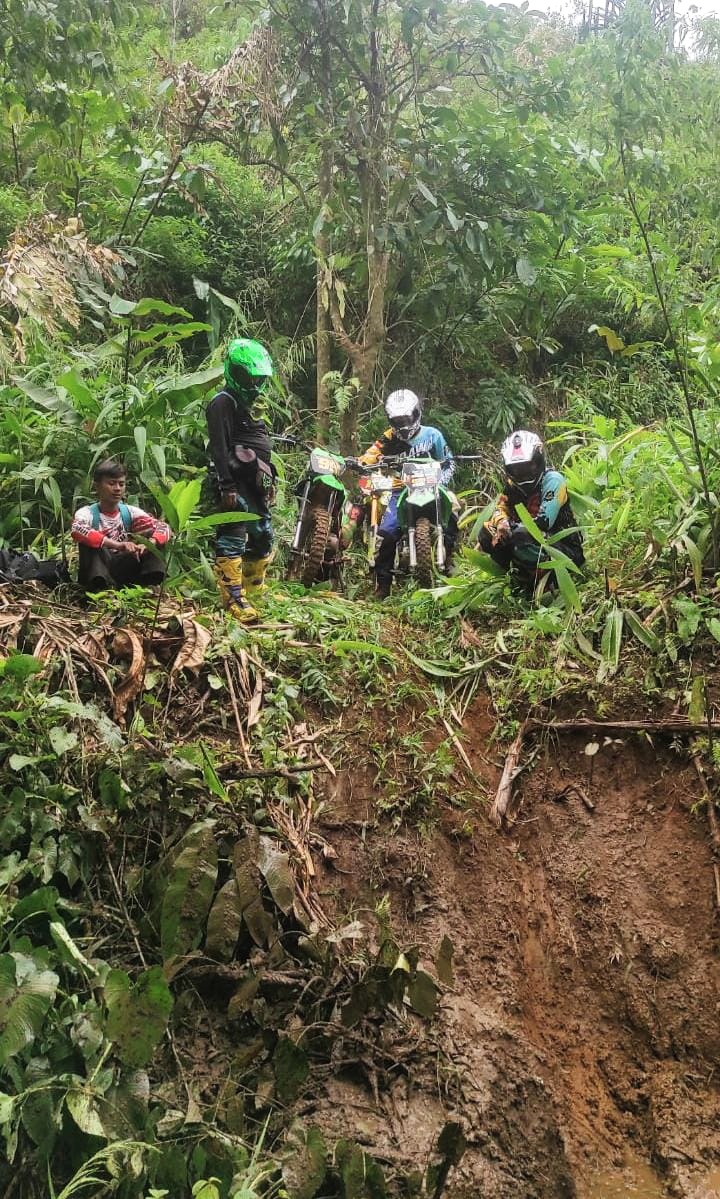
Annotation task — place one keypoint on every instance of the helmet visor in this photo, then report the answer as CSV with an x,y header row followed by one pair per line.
x,y
523,473
250,385
406,424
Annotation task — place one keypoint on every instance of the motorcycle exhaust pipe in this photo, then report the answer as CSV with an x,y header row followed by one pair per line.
x,y
411,548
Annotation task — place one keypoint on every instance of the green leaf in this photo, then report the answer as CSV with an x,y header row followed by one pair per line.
x,y
640,632
186,388
422,993
714,628
220,518
361,1176
291,1069
567,587
26,995
613,342
363,648
444,962
189,892
82,1103
140,435
78,389
120,307
696,558
303,1161
19,667
21,761
137,1013
186,500
62,739
425,191
224,923
258,921
167,507
68,949
158,454
526,272
275,868
612,638
689,617
529,524
451,1144
696,708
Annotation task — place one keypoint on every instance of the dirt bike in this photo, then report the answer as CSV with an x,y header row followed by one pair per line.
x,y
376,488
424,509
316,552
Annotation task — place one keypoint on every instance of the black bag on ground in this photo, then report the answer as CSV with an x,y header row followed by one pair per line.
x,y
20,568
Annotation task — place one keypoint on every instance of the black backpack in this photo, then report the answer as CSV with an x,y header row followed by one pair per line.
x,y
19,568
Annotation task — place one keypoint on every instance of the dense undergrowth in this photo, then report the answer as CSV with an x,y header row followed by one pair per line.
x,y
155,903
173,990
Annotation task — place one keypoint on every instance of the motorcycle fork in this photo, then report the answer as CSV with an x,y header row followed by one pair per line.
x,y
301,516
440,539
411,541
374,525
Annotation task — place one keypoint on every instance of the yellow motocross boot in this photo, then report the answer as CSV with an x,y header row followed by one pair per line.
x,y
253,573
229,575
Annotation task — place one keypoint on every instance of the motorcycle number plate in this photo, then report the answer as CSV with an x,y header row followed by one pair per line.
x,y
421,476
324,464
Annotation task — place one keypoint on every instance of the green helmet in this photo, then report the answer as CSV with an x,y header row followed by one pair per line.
x,y
248,366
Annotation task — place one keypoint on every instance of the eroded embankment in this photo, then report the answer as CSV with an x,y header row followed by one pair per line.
x,y
580,1041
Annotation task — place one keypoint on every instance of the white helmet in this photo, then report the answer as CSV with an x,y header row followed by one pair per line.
x,y
404,413
523,456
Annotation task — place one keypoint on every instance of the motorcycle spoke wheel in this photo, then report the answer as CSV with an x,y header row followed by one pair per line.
x,y
424,552
315,545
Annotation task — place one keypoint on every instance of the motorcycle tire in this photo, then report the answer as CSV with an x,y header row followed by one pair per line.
x,y
315,545
424,552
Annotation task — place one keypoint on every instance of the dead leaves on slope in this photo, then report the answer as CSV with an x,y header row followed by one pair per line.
x,y
120,658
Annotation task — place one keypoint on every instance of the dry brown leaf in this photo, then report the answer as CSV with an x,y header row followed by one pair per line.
x,y
253,711
91,646
127,644
191,654
468,637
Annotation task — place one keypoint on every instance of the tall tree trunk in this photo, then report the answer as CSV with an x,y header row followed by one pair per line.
x,y
323,337
323,352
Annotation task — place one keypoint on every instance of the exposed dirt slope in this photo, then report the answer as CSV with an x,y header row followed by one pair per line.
x,y
580,1042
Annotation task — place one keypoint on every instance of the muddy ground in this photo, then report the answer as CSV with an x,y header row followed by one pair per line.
x,y
580,1043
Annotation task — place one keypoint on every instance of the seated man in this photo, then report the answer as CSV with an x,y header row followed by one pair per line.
x,y
544,493
407,436
104,530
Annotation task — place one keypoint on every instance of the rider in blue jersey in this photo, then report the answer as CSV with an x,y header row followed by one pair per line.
x,y
409,437
544,492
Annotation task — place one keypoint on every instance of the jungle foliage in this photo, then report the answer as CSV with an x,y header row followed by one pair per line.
x,y
470,200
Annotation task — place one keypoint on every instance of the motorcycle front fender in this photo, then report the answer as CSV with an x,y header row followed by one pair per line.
x,y
410,506
330,481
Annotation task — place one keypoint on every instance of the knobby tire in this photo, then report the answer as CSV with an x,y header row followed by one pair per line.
x,y
424,552
316,543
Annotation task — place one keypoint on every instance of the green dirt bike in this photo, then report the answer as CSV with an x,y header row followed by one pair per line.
x,y
318,545
424,509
